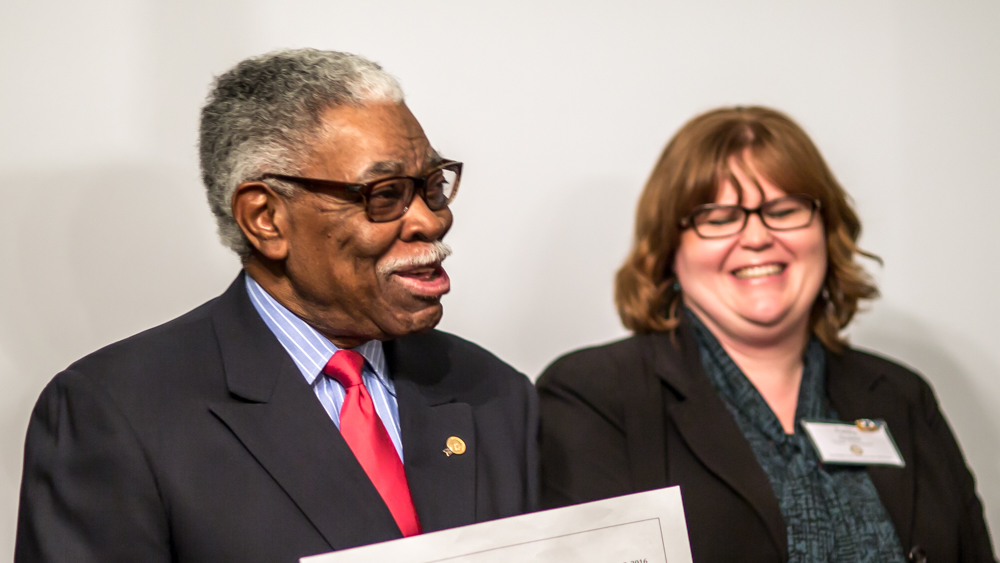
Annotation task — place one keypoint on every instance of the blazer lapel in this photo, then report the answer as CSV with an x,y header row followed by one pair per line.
x,y
709,430
443,486
856,392
279,420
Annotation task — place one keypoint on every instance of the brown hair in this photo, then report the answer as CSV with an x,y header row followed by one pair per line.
x,y
688,174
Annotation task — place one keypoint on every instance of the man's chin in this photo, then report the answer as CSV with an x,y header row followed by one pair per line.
x,y
417,321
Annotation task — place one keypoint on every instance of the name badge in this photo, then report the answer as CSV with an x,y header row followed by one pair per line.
x,y
864,442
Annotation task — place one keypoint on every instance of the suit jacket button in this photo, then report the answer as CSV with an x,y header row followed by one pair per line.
x,y
917,555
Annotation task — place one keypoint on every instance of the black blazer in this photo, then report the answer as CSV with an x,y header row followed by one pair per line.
x,y
640,414
199,440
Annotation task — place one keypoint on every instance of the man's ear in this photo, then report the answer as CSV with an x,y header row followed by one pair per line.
x,y
262,216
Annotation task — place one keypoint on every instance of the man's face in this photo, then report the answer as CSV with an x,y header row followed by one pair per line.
x,y
352,278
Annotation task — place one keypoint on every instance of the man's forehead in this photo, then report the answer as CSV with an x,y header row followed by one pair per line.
x,y
384,120
399,167
361,142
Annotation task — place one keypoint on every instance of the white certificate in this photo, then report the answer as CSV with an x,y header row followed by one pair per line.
x,y
640,528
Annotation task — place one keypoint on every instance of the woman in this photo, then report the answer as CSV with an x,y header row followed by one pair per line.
x,y
740,280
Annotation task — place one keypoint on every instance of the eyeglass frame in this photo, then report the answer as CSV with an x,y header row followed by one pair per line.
x,y
687,222
363,189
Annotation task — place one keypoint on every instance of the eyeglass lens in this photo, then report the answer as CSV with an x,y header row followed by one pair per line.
x,y
782,214
388,200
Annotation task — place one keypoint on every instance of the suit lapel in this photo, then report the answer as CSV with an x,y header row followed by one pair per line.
x,y
709,430
279,420
443,486
856,392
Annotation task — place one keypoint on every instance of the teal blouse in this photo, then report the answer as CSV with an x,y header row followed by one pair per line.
x,y
832,513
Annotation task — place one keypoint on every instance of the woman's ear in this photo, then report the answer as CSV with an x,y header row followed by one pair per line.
x,y
262,216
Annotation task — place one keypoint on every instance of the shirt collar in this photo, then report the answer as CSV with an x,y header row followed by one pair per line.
x,y
309,349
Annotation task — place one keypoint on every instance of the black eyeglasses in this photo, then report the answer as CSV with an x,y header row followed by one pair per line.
x,y
388,199
783,214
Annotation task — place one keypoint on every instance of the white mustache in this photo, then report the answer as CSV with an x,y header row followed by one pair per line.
x,y
433,254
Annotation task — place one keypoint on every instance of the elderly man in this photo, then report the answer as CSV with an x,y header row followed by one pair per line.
x,y
311,407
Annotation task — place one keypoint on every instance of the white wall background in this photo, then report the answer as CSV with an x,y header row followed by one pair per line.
x,y
558,109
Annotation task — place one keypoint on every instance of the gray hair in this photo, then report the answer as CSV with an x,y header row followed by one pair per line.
x,y
263,114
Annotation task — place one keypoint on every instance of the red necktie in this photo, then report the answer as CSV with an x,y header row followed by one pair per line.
x,y
364,433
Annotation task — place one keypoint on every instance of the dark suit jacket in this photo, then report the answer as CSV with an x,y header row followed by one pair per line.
x,y
640,414
199,440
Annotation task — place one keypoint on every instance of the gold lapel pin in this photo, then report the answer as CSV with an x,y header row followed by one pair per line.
x,y
857,449
866,425
455,446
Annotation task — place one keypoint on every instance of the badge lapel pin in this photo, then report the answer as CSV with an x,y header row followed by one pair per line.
x,y
866,425
455,446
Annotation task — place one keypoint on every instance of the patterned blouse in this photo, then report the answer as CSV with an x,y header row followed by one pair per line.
x,y
833,513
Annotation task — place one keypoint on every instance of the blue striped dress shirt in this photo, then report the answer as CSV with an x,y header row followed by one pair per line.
x,y
310,351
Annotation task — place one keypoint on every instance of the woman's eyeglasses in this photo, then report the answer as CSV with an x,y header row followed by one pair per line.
x,y
783,214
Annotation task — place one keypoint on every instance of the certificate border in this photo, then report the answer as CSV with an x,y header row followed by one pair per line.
x,y
659,527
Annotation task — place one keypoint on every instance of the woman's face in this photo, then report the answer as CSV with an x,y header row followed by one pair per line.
x,y
756,287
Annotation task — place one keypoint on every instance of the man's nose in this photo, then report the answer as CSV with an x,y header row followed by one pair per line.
x,y
420,223
756,235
